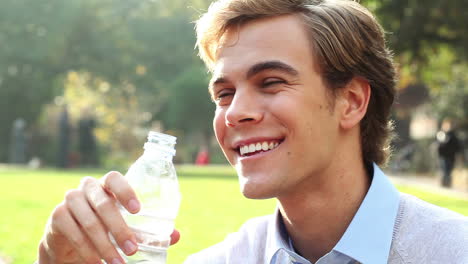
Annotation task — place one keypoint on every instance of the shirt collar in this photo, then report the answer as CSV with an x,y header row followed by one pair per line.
x,y
279,248
277,237
368,237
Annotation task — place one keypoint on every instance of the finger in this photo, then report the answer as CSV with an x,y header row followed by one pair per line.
x,y
63,224
92,226
105,206
175,237
115,183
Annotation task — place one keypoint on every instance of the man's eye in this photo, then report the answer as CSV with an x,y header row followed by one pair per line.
x,y
223,95
272,81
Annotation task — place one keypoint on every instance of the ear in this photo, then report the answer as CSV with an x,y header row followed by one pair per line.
x,y
354,101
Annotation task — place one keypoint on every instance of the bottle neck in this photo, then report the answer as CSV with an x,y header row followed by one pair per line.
x,y
158,151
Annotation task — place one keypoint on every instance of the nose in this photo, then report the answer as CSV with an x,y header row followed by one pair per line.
x,y
245,108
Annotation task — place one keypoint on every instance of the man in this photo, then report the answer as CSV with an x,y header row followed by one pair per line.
x,y
447,148
303,90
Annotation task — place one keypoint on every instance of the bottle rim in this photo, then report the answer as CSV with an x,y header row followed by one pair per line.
x,y
171,139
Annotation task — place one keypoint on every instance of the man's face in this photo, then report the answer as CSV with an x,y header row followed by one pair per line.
x,y
273,119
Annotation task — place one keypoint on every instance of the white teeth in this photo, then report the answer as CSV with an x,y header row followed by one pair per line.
x,y
257,147
271,145
252,148
246,149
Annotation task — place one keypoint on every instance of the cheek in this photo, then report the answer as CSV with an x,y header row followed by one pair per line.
x,y
219,126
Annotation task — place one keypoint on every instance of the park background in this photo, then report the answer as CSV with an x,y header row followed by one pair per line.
x,y
82,82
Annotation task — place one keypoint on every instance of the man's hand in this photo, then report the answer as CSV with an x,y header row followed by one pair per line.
x,y
78,228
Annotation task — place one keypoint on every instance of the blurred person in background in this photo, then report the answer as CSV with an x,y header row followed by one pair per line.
x,y
86,139
448,147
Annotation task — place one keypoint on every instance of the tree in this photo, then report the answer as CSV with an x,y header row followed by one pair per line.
x,y
188,109
127,43
417,28
449,83
429,40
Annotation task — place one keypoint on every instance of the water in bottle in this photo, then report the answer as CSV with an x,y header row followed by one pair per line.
x,y
154,179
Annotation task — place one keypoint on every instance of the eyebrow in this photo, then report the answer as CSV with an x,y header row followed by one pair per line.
x,y
218,80
255,69
271,65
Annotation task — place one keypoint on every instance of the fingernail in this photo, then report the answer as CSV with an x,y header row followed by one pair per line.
x,y
129,247
116,261
133,205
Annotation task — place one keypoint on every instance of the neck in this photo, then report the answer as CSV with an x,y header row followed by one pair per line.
x,y
318,212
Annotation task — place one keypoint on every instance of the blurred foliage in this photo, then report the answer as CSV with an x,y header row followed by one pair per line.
x,y
132,62
430,42
117,110
188,106
449,85
125,46
416,28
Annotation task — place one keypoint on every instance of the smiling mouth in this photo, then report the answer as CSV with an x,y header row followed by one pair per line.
x,y
254,148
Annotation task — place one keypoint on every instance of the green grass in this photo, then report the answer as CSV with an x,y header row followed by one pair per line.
x,y
212,207
456,204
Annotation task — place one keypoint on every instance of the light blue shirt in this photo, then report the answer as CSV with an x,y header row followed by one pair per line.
x,y
367,239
